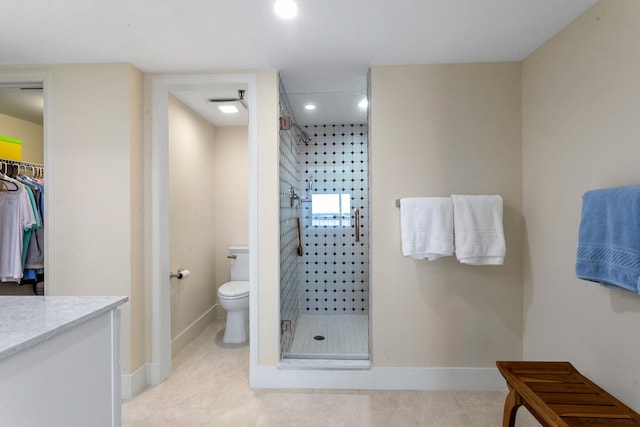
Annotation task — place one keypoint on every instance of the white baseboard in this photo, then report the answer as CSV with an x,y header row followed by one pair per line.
x,y
485,379
477,379
193,330
132,384
155,376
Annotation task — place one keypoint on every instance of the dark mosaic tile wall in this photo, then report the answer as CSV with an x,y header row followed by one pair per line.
x,y
334,271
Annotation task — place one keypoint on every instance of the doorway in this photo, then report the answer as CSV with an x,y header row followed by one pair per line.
x,y
32,123
161,87
324,222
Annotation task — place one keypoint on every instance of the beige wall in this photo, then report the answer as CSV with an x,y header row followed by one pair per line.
x,y
191,215
581,109
437,130
268,232
30,133
96,126
230,172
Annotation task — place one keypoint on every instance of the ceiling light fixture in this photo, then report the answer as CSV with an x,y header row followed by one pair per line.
x,y
229,109
363,104
309,107
285,9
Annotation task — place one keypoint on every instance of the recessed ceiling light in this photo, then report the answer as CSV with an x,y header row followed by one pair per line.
x,y
309,107
363,104
285,9
228,108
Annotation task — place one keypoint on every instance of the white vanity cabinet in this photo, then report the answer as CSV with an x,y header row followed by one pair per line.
x,y
60,361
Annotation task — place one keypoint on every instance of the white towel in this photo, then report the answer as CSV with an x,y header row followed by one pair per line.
x,y
479,234
426,224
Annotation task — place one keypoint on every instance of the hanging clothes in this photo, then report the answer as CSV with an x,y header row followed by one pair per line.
x,y
17,217
34,251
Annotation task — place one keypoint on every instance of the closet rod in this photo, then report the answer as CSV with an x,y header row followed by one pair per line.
x,y
37,169
21,163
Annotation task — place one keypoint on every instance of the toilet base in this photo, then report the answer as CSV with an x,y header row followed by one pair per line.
x,y
236,331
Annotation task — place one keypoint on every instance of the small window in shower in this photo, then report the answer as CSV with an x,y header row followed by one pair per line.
x,y
331,210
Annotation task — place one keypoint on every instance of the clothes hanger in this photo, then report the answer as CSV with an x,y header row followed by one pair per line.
x,y
4,184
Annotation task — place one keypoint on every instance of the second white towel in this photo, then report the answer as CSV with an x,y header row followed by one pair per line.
x,y
479,234
426,225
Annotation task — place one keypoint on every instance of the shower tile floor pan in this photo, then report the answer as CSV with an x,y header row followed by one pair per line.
x,y
345,337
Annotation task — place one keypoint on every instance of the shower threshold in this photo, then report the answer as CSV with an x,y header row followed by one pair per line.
x,y
325,364
329,356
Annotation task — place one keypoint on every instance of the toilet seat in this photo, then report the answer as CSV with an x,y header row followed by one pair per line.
x,y
234,290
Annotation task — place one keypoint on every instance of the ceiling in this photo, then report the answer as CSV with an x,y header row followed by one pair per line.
x,y
201,102
327,49
22,102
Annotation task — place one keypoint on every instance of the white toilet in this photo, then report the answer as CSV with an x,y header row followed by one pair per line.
x,y
234,297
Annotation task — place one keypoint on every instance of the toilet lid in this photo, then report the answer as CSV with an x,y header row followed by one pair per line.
x,y
235,289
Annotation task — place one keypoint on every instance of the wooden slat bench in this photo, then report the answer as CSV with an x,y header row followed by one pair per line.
x,y
557,394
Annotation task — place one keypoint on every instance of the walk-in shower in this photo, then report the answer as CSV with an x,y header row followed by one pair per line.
x,y
324,240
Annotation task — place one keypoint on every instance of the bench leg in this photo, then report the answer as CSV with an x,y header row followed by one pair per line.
x,y
511,405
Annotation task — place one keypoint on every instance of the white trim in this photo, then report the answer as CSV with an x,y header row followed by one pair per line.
x,y
192,331
116,367
153,372
160,295
160,365
133,384
485,379
253,225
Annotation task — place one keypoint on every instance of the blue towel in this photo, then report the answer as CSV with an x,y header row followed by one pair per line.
x,y
609,238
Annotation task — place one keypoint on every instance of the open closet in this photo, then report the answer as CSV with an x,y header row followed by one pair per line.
x,y
22,189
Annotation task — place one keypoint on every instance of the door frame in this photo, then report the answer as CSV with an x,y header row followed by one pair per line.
x,y
42,75
161,86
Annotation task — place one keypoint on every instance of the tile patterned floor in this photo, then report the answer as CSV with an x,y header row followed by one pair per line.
x,y
209,387
345,337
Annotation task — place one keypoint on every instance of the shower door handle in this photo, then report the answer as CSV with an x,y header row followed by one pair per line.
x,y
357,215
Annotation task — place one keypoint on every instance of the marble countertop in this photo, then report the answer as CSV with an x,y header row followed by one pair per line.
x,y
27,320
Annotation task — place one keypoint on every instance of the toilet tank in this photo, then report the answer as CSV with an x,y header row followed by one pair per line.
x,y
239,264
